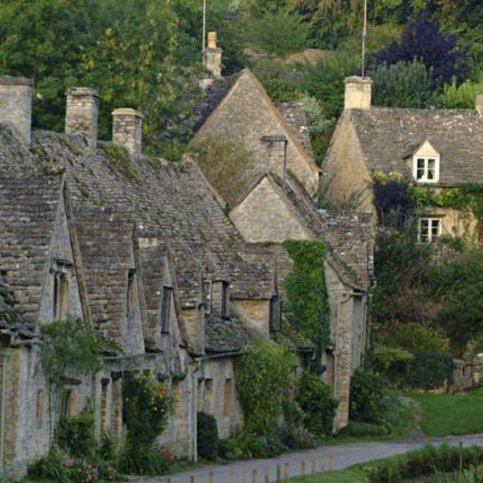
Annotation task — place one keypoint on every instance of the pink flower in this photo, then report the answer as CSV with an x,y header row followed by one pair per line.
x,y
69,463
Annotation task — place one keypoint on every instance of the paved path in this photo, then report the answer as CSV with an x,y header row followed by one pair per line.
x,y
324,458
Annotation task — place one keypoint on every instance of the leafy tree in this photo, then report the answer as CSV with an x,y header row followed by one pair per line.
x,y
458,97
423,41
277,33
401,84
458,284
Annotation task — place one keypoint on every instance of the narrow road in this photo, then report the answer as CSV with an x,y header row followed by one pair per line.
x,y
324,458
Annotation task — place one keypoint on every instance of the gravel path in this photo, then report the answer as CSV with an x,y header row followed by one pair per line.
x,y
324,458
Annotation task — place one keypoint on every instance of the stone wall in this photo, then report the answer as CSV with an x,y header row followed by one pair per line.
x,y
254,314
250,113
16,105
347,175
217,394
264,216
81,113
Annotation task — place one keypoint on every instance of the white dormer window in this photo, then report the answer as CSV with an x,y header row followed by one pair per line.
x,y
426,164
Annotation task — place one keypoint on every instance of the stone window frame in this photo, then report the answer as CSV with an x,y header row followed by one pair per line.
x,y
425,178
275,314
62,271
432,231
131,291
165,314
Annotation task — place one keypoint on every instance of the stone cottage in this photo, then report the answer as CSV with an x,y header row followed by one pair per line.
x,y
258,157
437,149
138,247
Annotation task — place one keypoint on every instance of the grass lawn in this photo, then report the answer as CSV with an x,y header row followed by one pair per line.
x,y
451,414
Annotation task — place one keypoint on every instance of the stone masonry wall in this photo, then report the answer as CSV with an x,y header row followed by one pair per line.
x,y
81,113
16,105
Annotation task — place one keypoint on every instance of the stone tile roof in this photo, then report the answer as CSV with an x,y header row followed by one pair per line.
x,y
295,117
348,235
387,136
253,280
225,335
105,241
28,207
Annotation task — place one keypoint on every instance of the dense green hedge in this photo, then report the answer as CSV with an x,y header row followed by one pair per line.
x,y
207,436
430,370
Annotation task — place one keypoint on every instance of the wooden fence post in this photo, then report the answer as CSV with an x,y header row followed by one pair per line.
x,y
254,476
279,474
302,468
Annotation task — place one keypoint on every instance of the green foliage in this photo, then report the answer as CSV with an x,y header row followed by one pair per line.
x,y
307,305
414,337
430,370
458,97
76,435
360,429
69,346
277,33
207,432
367,396
248,445
424,462
263,376
50,467
458,284
315,400
401,85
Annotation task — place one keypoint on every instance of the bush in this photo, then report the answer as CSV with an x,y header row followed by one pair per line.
x,y
315,400
427,461
263,383
430,370
142,460
260,446
76,435
358,429
50,467
207,436
367,396
229,449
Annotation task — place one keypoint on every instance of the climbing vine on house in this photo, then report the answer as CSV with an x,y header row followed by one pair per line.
x,y
307,305
69,347
263,384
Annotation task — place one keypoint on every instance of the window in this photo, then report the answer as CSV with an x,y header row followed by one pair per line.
x,y
61,295
225,300
131,291
429,229
227,398
208,396
426,169
69,406
275,313
39,407
166,309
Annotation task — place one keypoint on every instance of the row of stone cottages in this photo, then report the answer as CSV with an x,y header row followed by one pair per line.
x,y
143,249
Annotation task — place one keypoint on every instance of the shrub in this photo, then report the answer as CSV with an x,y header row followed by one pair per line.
x,y
207,436
142,460
50,467
430,370
263,383
367,396
427,461
76,435
229,449
260,445
358,429
315,400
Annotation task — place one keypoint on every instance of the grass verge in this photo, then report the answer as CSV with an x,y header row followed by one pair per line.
x,y
451,414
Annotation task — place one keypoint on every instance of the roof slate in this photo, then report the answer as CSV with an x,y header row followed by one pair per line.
x,y
388,136
28,207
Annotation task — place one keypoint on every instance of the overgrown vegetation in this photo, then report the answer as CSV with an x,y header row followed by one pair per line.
x,y
307,306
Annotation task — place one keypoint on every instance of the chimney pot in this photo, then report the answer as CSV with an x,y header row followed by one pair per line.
x,y
16,105
81,113
358,91
127,125
212,40
479,103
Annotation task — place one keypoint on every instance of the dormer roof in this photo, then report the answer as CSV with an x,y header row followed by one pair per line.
x,y
388,136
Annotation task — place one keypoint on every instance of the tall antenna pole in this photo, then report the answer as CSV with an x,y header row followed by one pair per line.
x,y
203,42
364,33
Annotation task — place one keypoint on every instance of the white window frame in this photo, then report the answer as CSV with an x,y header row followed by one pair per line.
x,y
430,236
426,160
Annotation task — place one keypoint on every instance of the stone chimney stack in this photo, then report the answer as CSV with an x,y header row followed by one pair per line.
x,y
479,103
16,105
81,113
212,56
127,130
358,91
